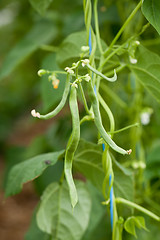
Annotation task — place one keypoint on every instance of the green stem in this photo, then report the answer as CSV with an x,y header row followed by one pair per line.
x,y
87,118
49,48
125,128
136,206
84,99
111,55
97,27
123,27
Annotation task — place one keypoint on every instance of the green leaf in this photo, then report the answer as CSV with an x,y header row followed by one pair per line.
x,y
147,70
29,170
123,181
153,164
88,161
70,49
97,211
40,34
151,9
56,216
51,96
132,222
40,5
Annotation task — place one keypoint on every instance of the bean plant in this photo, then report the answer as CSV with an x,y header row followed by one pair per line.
x,y
99,194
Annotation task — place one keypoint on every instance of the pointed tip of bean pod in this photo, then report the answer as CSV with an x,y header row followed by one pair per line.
x,y
74,202
129,151
35,114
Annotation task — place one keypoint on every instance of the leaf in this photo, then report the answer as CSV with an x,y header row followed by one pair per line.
x,y
147,70
56,216
70,49
29,170
51,96
41,33
88,161
40,5
132,222
153,162
97,211
123,181
151,9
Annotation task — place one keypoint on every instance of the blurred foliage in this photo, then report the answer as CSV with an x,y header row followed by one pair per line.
x,y
31,39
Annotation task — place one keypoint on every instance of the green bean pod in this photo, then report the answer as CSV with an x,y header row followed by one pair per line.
x,y
98,121
62,102
112,79
72,146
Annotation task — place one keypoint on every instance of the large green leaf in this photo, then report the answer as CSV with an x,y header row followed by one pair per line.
x,y
40,5
70,48
147,70
40,34
132,222
153,162
151,9
56,216
88,161
123,181
51,96
29,170
97,213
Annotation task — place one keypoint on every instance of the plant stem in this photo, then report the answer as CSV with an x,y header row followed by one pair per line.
x,y
97,27
111,55
123,27
125,128
136,206
49,48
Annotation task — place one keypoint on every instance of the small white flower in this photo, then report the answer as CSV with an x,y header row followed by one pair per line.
x,y
145,118
85,48
137,43
87,78
35,114
133,60
52,77
69,70
85,62
74,85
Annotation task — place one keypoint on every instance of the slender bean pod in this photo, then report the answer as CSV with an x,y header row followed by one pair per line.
x,y
98,122
72,146
62,102
113,79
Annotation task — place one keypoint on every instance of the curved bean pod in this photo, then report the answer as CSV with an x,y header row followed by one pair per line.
x,y
98,122
72,146
61,104
112,79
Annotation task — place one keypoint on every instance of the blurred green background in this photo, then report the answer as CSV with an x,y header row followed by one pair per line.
x,y
31,40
